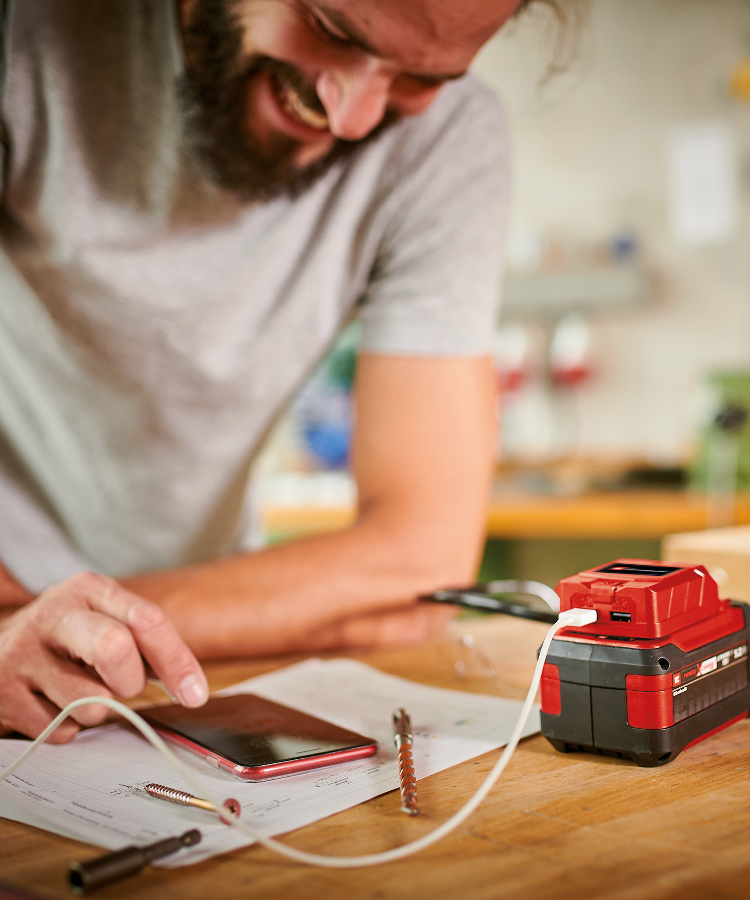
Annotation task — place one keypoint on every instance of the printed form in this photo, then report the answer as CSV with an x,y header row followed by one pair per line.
x,y
92,789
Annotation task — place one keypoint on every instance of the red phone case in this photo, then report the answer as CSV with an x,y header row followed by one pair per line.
x,y
360,747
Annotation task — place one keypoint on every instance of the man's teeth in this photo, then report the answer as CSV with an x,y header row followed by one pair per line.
x,y
293,104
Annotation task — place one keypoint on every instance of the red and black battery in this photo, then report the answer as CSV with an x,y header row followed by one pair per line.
x,y
664,666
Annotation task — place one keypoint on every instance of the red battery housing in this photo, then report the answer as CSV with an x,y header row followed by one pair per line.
x,y
664,666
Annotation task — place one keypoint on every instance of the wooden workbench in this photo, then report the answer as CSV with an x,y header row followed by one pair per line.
x,y
518,515
556,826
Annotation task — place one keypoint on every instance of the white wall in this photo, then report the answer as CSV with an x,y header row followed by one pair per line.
x,y
590,159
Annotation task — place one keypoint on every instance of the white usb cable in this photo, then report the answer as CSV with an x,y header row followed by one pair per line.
x,y
573,618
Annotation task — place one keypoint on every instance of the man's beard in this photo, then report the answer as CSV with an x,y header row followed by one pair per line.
x,y
214,89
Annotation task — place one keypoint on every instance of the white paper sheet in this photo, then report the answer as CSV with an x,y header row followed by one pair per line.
x,y
92,788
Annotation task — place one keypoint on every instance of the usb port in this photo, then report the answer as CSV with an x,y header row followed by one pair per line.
x,y
619,616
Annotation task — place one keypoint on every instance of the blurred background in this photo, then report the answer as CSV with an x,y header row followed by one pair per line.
x,y
623,349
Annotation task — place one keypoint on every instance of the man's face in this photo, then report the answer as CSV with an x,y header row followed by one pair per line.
x,y
278,90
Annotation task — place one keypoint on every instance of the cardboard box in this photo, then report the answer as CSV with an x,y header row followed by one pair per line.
x,y
725,552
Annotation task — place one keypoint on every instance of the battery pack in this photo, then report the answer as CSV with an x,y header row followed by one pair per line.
x,y
664,666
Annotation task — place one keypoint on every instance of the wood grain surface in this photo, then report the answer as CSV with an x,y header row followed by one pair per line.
x,y
556,826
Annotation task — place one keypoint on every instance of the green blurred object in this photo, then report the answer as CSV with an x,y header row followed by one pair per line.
x,y
727,428
341,363
550,559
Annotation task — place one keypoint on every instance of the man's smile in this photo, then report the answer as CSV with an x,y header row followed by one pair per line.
x,y
293,105
282,106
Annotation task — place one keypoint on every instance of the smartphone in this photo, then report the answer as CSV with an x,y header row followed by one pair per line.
x,y
253,738
527,599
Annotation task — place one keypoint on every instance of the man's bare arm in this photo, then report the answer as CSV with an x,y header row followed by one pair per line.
x,y
422,460
12,592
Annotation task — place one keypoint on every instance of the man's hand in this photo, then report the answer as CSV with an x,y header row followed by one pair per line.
x,y
408,624
87,636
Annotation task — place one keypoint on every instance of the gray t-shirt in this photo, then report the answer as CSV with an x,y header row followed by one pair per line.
x,y
152,326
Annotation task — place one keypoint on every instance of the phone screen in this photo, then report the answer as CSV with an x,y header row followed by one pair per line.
x,y
256,738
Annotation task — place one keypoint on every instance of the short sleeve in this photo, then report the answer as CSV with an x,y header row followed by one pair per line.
x,y
435,285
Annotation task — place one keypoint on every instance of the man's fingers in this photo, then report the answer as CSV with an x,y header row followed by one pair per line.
x,y
168,655
70,682
105,644
158,641
30,714
139,628
406,625
409,625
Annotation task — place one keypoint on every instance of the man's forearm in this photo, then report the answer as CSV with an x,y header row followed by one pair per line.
x,y
422,459
12,592
299,595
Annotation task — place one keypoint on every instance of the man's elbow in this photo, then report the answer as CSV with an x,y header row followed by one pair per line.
x,y
436,554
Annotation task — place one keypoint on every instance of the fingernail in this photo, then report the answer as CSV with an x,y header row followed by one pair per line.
x,y
193,691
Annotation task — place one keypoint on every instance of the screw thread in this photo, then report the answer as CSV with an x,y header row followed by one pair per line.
x,y
408,780
168,793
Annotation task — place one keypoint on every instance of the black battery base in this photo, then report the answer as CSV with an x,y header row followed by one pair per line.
x,y
644,701
657,747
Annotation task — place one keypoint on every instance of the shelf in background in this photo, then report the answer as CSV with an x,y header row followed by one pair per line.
x,y
617,514
614,287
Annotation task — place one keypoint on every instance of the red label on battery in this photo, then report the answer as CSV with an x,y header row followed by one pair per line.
x,y
703,683
550,688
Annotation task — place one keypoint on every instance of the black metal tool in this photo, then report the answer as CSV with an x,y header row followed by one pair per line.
x,y
87,876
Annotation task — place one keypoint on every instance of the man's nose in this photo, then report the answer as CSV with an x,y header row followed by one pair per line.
x,y
355,99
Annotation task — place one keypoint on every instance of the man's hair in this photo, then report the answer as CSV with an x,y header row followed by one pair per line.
x,y
570,16
565,11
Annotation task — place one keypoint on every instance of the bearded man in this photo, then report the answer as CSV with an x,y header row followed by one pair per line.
x,y
196,195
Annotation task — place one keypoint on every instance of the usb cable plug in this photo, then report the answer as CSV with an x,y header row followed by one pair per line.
x,y
575,618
